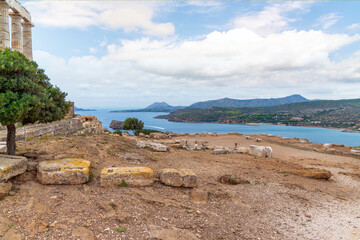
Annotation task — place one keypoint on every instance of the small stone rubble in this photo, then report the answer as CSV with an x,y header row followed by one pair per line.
x,y
178,177
65,171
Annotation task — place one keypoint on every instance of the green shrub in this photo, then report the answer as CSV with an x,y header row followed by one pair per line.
x,y
145,131
118,132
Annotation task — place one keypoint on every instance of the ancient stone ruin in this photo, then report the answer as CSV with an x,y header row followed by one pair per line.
x,y
21,37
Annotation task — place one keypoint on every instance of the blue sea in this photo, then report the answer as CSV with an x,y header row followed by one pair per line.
x,y
320,135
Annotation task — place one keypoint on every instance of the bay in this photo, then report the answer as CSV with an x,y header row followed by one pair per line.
x,y
320,135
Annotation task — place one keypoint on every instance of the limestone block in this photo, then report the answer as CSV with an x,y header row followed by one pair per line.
x,y
158,147
220,151
11,166
127,176
64,171
258,140
178,177
260,151
248,137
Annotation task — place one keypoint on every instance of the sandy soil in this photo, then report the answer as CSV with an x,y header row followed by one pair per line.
x,y
275,205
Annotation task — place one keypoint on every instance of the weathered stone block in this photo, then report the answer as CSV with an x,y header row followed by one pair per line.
x,y
11,166
178,177
260,151
127,176
158,147
65,171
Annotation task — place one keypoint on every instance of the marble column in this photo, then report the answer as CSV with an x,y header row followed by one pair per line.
x,y
16,35
27,40
4,25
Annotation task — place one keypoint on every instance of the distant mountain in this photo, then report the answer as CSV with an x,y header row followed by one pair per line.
x,y
228,102
157,105
82,109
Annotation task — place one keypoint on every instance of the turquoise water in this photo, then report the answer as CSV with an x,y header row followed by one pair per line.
x,y
320,135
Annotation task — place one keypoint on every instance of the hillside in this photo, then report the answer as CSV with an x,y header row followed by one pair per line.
x,y
228,102
324,113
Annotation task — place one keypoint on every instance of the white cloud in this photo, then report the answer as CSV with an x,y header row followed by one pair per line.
x,y
354,26
92,50
272,19
129,16
221,64
328,20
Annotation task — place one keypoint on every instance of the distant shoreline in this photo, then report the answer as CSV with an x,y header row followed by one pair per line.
x,y
258,124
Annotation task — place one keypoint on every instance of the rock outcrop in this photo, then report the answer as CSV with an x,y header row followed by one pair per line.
x,y
11,166
178,177
116,124
126,176
314,173
65,171
233,180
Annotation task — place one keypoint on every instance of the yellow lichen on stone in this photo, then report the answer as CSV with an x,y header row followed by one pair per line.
x,y
132,176
76,165
64,171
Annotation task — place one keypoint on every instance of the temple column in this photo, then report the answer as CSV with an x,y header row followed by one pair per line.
x,y
4,25
27,40
16,35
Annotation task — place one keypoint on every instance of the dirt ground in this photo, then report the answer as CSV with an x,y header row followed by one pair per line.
x,y
274,205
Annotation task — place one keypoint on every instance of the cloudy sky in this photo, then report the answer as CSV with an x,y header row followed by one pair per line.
x,y
126,54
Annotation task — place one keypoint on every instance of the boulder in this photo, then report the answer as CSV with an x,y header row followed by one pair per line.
x,y
64,171
11,166
258,140
220,151
116,124
142,135
158,147
126,176
260,151
233,180
5,188
178,177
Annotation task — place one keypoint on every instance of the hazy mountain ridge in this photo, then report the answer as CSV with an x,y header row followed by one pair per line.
x,y
228,102
324,113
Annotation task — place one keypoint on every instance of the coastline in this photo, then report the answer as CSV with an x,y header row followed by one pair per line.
x,y
258,124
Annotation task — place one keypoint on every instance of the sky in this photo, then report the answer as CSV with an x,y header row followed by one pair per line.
x,y
129,54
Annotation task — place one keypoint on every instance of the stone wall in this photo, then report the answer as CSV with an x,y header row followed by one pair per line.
x,y
77,125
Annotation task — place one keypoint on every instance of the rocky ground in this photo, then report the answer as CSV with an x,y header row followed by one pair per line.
x,y
275,203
